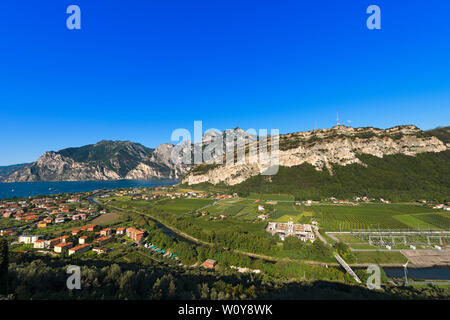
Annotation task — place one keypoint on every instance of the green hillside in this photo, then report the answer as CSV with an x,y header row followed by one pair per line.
x,y
394,177
442,133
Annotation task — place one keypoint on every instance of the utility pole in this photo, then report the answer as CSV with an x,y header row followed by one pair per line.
x,y
406,272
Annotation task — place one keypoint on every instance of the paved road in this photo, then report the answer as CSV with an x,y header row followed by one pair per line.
x,y
322,238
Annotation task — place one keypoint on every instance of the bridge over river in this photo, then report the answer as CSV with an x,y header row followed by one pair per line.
x,y
346,267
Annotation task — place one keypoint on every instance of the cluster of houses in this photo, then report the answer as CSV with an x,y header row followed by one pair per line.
x,y
302,231
225,196
357,199
213,217
221,216
78,241
46,211
264,216
146,194
307,203
441,206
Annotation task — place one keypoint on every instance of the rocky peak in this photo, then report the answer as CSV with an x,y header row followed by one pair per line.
x,y
324,147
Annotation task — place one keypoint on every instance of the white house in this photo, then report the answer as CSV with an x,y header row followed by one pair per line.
x,y
29,239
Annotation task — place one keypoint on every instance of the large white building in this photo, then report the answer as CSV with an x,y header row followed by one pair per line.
x,y
29,239
302,231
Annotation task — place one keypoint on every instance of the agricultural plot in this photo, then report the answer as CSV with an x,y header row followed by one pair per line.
x,y
379,257
439,220
298,217
179,206
373,216
413,222
267,196
106,219
228,207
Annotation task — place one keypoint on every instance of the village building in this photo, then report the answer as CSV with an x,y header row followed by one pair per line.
x,y
29,239
52,242
103,240
40,244
302,231
7,232
60,247
135,234
48,220
100,250
41,224
82,240
89,228
74,199
120,230
209,263
7,214
59,220
106,232
79,216
75,232
79,249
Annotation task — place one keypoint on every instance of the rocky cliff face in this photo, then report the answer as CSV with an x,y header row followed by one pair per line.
x,y
106,160
114,160
55,167
322,148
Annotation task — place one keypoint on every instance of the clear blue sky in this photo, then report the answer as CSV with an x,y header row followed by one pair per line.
x,y
139,69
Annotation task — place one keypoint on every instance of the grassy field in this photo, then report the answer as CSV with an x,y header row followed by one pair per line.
x,y
413,222
275,197
178,206
384,216
106,219
242,217
347,238
440,220
379,257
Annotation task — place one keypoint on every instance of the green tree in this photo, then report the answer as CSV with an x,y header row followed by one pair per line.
x,y
4,266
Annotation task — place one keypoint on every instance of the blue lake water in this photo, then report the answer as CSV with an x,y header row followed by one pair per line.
x,y
419,273
26,189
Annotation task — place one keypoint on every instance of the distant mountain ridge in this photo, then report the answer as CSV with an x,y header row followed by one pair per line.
x,y
105,160
5,171
399,164
323,149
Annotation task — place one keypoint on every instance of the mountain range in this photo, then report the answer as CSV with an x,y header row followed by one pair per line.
x,y
327,152
108,160
324,148
402,163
